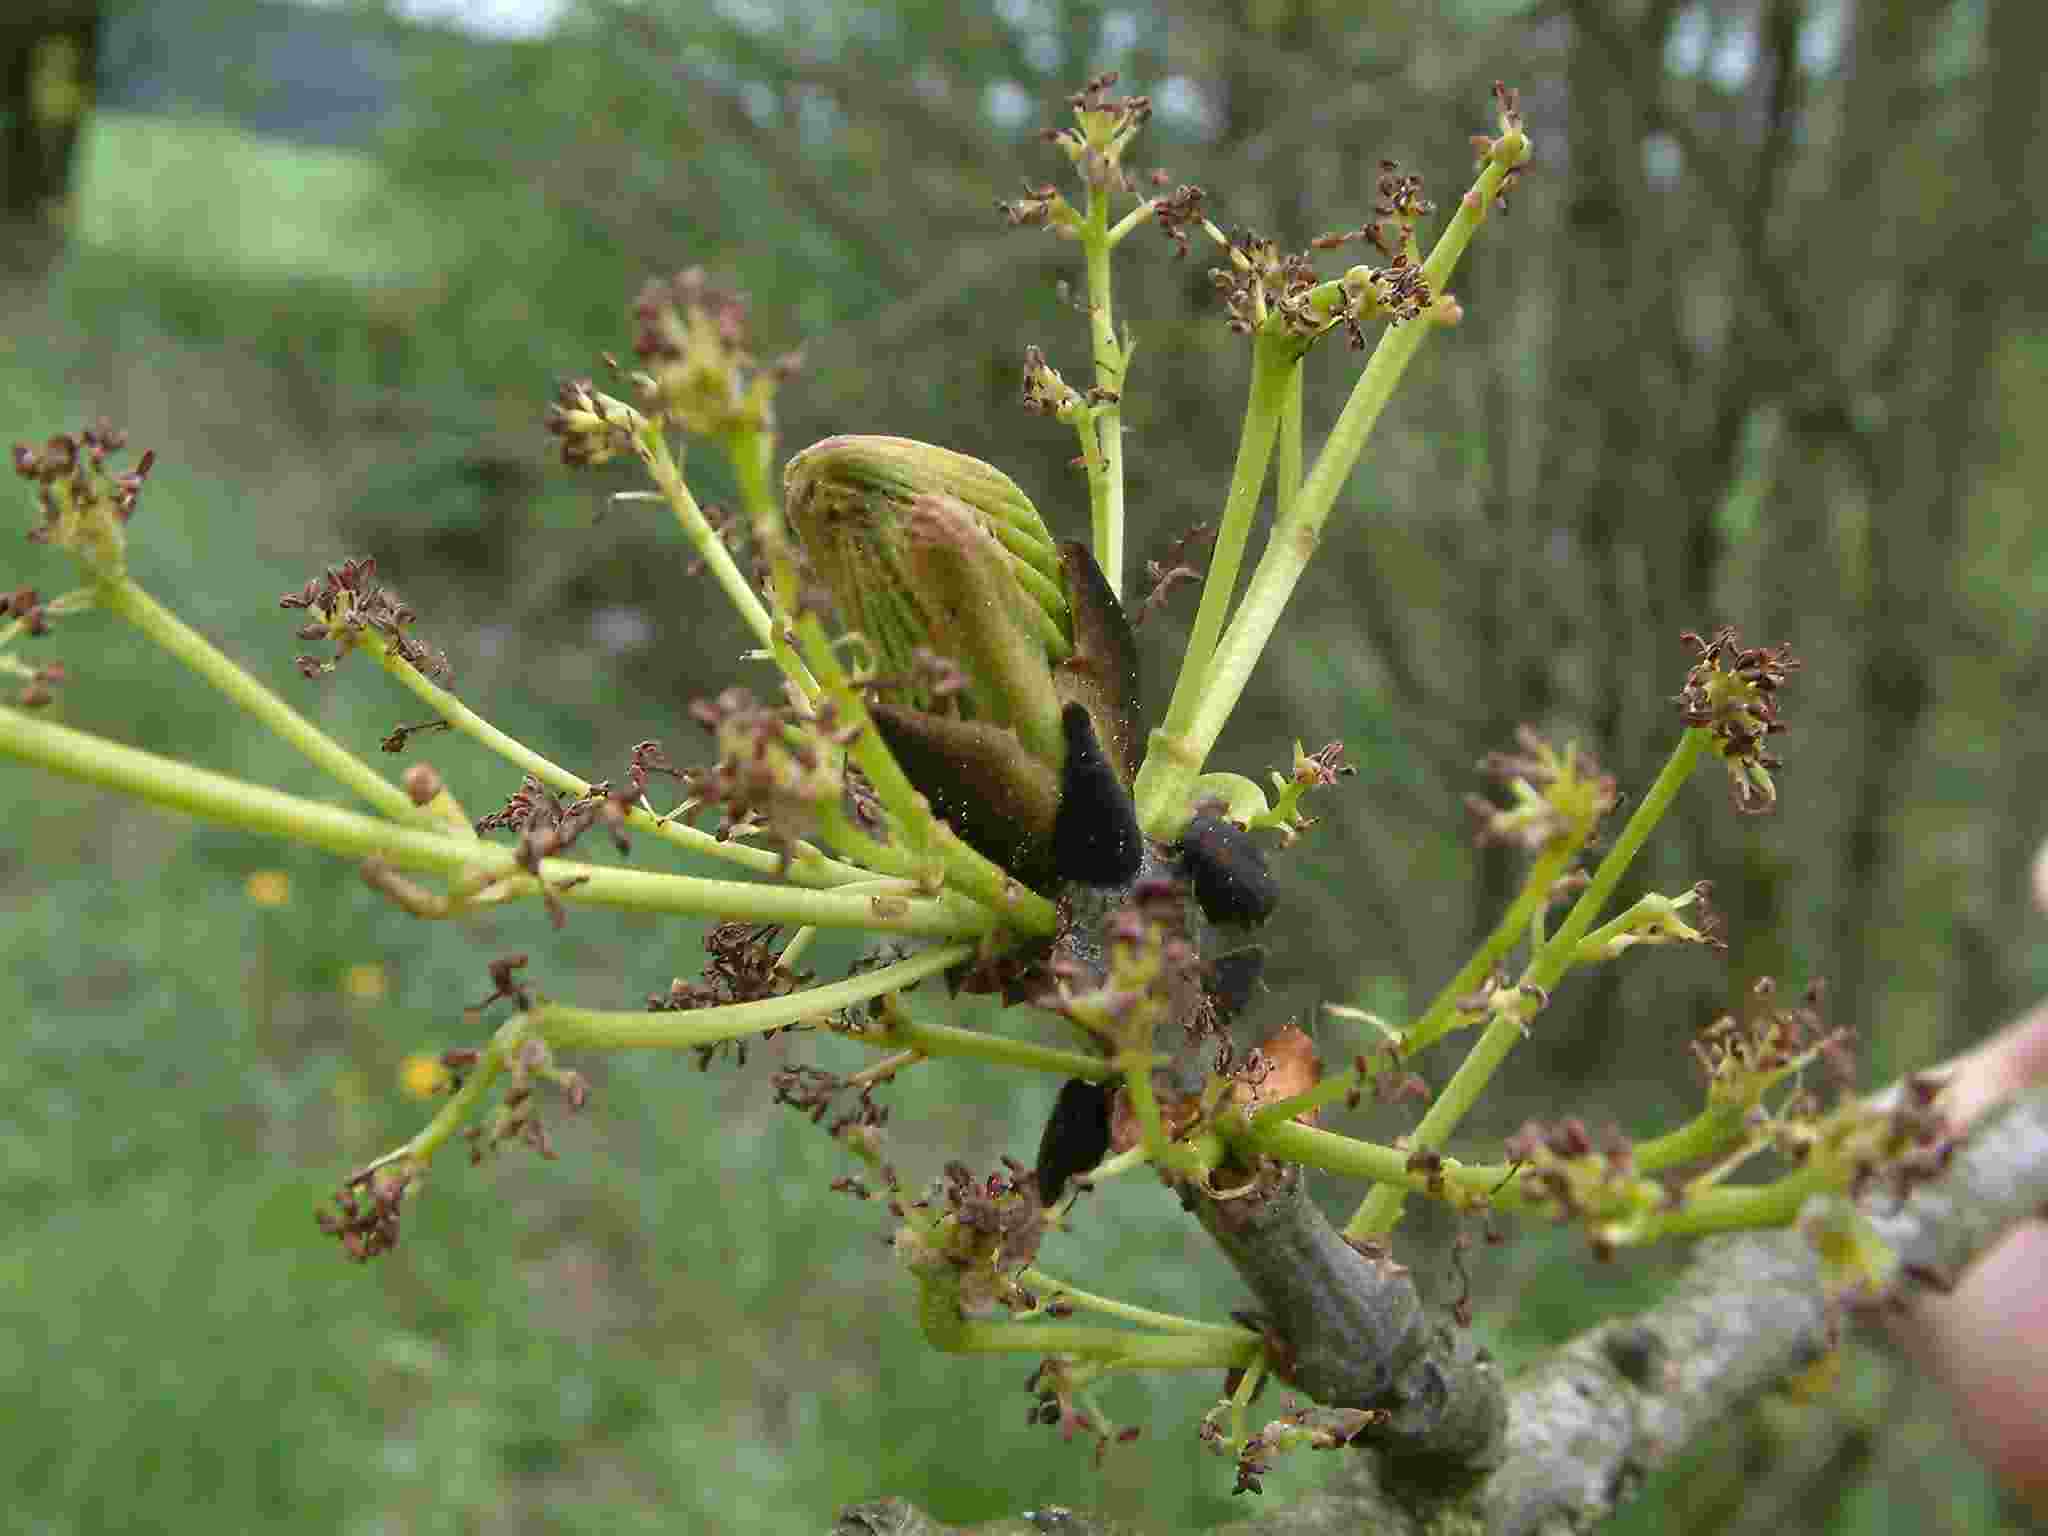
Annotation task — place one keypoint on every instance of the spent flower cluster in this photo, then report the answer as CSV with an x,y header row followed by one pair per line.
x,y
344,604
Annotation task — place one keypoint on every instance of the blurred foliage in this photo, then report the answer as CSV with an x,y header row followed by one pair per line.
x,y
1758,344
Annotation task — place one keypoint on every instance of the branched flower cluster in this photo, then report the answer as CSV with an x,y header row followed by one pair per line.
x,y
505,987
1042,207
1103,128
1060,1398
365,1218
981,1230
1304,1427
85,506
1262,279
1174,569
1145,954
691,336
1320,769
1745,1058
775,770
1178,212
1863,1146
1656,919
1508,106
742,966
1401,205
23,611
549,827
1557,795
517,1117
594,428
26,607
344,604
1592,1184
812,1091
1732,691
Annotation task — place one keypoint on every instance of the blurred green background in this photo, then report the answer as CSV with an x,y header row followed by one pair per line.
x,y
1761,342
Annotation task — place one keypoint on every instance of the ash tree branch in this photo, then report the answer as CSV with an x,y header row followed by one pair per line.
x,y
1586,1426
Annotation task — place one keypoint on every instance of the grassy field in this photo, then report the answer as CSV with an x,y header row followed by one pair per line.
x,y
677,1324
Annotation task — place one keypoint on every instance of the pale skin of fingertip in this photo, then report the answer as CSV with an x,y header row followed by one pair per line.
x,y
1988,1342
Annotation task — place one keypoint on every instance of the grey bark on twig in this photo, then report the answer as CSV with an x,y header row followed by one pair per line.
x,y
1586,1426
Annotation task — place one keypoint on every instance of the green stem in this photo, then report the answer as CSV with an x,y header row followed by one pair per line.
x,y
751,453
1707,1134
807,866
1287,475
256,808
1107,496
467,1099
1381,1209
68,605
1509,152
1137,1070
1162,787
1288,551
1129,222
592,1029
793,951
837,828
1296,535
905,1031
1170,1322
652,445
1742,1207
1442,1017
1248,1386
1113,1348
170,633
1476,1183
1127,1161
938,1309
1312,1148
1722,1209
1560,953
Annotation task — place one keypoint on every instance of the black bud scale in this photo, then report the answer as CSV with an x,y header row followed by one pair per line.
x,y
1095,836
1228,871
1076,1137
1233,978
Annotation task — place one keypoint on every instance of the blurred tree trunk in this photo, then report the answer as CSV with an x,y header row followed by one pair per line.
x,y
1616,433
1947,188
48,52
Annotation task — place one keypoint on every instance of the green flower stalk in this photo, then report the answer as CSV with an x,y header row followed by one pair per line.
x,y
691,338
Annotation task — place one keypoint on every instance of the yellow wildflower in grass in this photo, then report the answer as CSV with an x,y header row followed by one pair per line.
x,y
268,887
365,983
1816,1380
422,1076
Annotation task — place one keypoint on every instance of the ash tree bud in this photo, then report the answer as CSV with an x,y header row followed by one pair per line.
x,y
1228,871
1095,835
929,553
1076,1136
